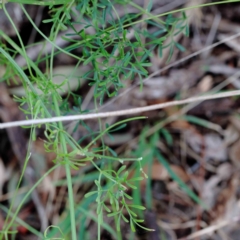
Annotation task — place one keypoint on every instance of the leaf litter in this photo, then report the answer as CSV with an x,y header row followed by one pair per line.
x,y
207,161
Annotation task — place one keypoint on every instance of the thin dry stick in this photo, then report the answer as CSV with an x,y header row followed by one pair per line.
x,y
210,229
118,113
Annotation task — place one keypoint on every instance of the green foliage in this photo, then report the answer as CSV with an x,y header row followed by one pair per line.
x,y
116,193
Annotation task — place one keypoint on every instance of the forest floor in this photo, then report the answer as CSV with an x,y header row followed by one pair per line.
x,y
199,142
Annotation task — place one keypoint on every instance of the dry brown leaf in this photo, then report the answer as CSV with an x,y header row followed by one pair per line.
x,y
181,124
231,134
211,189
47,188
38,146
226,206
213,145
234,153
180,173
159,172
165,86
235,120
205,84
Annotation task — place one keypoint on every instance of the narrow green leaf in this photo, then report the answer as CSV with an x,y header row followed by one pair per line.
x,y
137,37
99,209
48,20
121,169
136,179
124,218
117,128
113,214
146,64
137,207
132,225
149,6
131,186
167,136
116,204
139,220
198,121
118,223
132,213
180,47
127,196
112,152
106,208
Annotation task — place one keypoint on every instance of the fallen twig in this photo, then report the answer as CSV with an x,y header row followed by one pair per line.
x,y
118,113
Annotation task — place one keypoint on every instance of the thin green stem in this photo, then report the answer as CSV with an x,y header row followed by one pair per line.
x,y
55,36
47,39
68,172
25,78
21,222
179,10
144,11
119,233
15,193
63,140
112,126
99,225
27,81
41,3
102,166
19,38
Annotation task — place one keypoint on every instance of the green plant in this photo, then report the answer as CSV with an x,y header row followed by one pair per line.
x,y
114,58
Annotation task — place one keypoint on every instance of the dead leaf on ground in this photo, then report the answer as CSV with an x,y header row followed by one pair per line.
x,y
211,188
234,153
205,84
231,134
213,145
159,172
